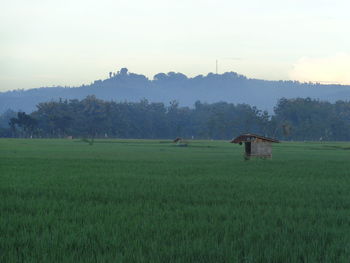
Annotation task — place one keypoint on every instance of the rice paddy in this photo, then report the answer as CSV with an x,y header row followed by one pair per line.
x,y
151,201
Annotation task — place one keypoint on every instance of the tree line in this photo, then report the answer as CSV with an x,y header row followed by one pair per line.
x,y
293,119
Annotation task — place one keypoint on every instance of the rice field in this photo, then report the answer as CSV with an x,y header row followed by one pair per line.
x,y
151,201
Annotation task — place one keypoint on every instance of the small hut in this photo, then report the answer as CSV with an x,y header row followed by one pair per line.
x,y
256,145
177,139
180,142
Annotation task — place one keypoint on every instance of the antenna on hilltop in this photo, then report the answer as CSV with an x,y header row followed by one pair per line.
x,y
216,67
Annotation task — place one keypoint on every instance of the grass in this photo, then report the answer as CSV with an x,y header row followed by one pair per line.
x,y
150,201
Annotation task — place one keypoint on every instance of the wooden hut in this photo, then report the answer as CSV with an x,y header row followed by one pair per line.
x,y
256,145
177,139
180,142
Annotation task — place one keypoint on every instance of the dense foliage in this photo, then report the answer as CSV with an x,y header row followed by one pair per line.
x,y
294,119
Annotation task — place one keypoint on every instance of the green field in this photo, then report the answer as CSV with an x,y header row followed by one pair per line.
x,y
151,201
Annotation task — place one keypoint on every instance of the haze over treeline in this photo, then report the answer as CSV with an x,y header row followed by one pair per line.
x,y
293,119
165,87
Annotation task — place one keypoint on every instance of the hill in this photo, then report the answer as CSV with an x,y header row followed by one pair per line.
x,y
229,87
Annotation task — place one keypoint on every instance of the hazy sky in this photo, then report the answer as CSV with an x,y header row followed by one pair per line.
x,y
58,42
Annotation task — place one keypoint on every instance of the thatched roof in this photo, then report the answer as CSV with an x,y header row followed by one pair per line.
x,y
248,137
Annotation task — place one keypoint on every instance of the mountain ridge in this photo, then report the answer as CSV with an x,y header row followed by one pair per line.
x,y
167,87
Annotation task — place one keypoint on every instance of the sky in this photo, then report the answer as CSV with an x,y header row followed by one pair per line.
x,y
51,42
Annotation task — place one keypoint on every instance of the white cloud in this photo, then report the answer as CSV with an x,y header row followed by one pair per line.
x,y
332,69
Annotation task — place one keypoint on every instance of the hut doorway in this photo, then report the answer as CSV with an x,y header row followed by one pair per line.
x,y
248,148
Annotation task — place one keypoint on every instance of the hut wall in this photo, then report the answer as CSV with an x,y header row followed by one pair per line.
x,y
263,149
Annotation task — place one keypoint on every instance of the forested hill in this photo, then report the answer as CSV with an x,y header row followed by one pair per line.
x,y
126,86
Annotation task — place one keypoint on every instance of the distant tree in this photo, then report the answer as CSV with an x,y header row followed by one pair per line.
x,y
25,122
123,71
93,116
5,118
287,129
12,124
